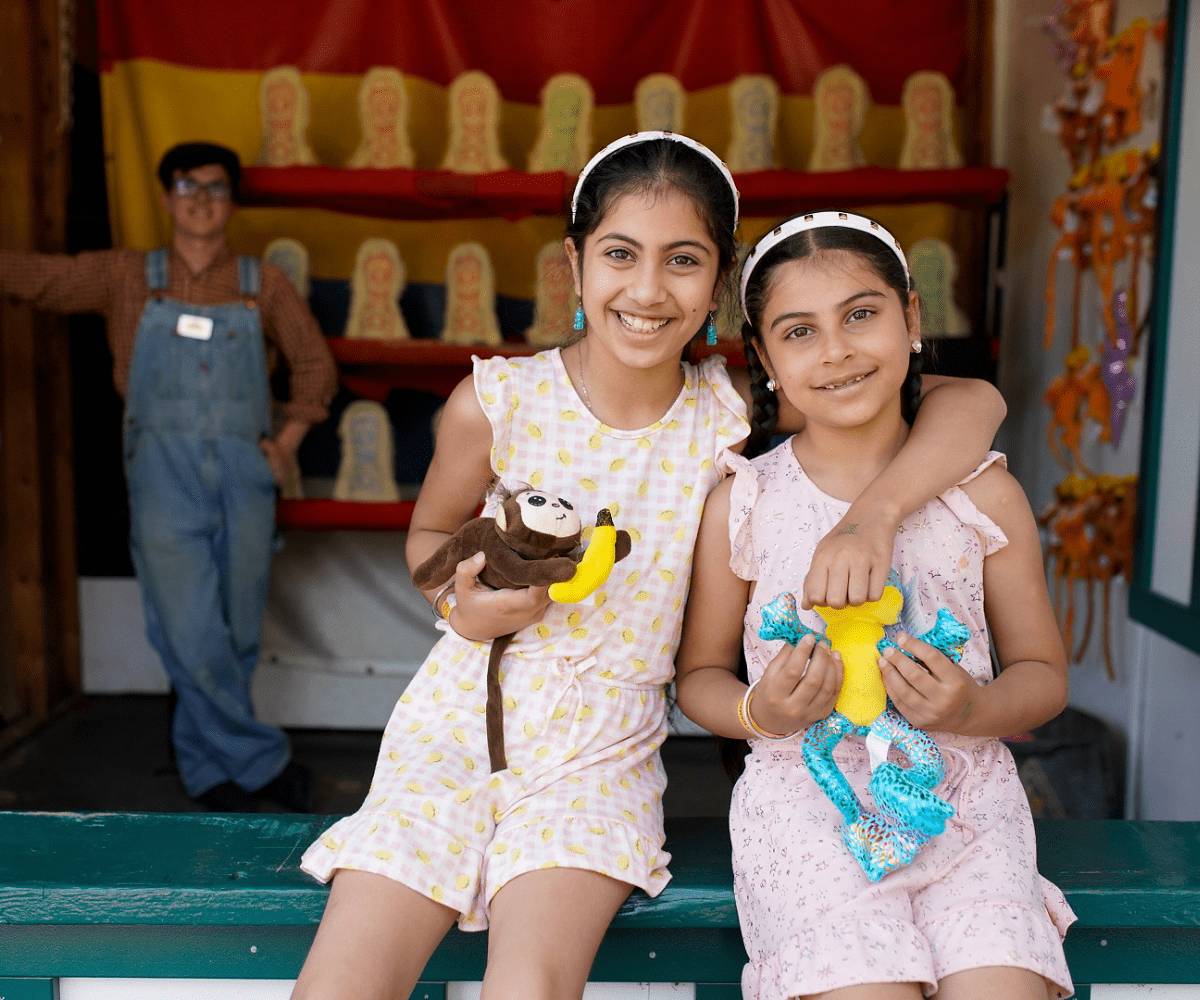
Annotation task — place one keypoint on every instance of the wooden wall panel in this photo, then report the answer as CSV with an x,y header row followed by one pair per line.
x,y
39,618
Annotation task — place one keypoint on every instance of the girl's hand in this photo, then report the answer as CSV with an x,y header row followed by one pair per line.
x,y
798,688
482,614
939,695
850,565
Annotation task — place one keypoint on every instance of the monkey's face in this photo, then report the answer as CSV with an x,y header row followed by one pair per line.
x,y
548,515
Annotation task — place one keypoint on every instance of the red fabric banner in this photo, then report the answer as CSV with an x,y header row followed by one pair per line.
x,y
522,43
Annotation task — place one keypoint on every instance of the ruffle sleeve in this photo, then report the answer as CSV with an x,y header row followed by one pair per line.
x,y
735,426
743,495
965,510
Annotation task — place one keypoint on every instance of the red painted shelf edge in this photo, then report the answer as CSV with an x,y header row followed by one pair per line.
x,y
442,194
331,515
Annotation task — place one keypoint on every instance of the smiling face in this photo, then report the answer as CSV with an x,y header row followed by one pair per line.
x,y
837,339
649,277
199,216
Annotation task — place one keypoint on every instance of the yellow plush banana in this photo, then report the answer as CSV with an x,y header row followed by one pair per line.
x,y
593,569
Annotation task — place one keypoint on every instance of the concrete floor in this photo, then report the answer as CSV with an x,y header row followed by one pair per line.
x,y
112,753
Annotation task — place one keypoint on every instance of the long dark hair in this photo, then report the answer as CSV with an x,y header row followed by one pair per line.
x,y
872,251
658,165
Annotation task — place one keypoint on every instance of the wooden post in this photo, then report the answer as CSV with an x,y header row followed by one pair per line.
x,y
39,617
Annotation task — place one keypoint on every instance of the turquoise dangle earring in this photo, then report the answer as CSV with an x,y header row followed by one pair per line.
x,y
711,332
579,320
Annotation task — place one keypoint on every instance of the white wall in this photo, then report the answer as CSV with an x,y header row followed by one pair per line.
x,y
1153,699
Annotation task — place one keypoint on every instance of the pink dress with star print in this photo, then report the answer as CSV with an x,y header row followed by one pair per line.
x,y
811,919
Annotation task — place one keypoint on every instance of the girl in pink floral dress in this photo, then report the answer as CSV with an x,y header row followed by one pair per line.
x,y
833,325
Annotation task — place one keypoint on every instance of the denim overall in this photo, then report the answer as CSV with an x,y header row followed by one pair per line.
x,y
202,523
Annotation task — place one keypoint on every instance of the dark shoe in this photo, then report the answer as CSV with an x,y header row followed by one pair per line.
x,y
292,788
227,798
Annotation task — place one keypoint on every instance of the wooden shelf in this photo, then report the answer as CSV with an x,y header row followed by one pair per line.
x,y
331,515
511,194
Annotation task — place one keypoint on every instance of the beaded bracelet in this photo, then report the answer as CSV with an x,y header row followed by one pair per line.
x,y
442,604
750,725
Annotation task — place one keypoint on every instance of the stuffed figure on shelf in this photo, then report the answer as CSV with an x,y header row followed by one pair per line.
x,y
383,115
375,289
474,148
283,100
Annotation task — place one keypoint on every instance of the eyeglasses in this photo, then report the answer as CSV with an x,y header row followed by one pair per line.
x,y
189,187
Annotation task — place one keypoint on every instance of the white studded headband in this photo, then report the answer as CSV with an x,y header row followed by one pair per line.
x,y
816,220
636,137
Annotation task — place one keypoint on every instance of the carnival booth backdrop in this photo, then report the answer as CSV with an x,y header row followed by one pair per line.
x,y
344,627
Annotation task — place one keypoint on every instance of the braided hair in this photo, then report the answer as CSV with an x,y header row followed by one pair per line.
x,y
875,253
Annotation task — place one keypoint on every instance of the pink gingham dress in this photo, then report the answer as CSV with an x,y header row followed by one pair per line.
x,y
811,919
585,710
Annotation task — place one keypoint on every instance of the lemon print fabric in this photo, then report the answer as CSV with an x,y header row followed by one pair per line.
x,y
653,479
585,710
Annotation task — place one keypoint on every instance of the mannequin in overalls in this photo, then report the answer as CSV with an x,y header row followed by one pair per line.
x,y
200,459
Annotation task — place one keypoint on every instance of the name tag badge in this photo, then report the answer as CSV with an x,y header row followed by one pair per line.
x,y
194,327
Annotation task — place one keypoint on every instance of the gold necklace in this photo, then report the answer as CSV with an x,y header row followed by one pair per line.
x,y
587,401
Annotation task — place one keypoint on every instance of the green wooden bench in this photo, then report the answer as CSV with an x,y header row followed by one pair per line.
x,y
186,896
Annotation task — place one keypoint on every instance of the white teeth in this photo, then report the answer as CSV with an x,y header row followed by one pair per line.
x,y
839,385
640,325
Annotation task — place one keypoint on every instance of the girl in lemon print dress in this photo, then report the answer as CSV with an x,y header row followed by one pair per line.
x,y
545,851
830,313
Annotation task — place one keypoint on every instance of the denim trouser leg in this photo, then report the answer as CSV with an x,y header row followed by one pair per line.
x,y
202,528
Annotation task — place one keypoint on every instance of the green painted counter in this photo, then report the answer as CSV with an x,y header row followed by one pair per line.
x,y
198,895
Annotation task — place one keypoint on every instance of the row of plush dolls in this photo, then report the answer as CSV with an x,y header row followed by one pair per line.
x,y
470,315
564,142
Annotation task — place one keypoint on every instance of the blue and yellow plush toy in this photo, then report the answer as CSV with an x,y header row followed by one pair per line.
x,y
909,814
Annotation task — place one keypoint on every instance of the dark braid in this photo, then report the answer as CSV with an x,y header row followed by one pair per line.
x,y
910,392
765,413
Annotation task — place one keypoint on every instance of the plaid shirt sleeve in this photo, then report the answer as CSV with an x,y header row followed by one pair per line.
x,y
290,326
61,283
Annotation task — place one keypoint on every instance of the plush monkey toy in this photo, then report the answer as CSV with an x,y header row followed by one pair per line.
x,y
531,542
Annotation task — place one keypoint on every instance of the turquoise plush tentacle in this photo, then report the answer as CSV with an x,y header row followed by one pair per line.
x,y
819,740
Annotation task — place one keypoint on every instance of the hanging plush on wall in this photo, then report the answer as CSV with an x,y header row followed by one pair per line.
x,y
565,134
908,813
1105,224
555,301
659,100
928,100
754,107
531,542
474,108
375,289
365,470
470,316
840,100
283,101
383,118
